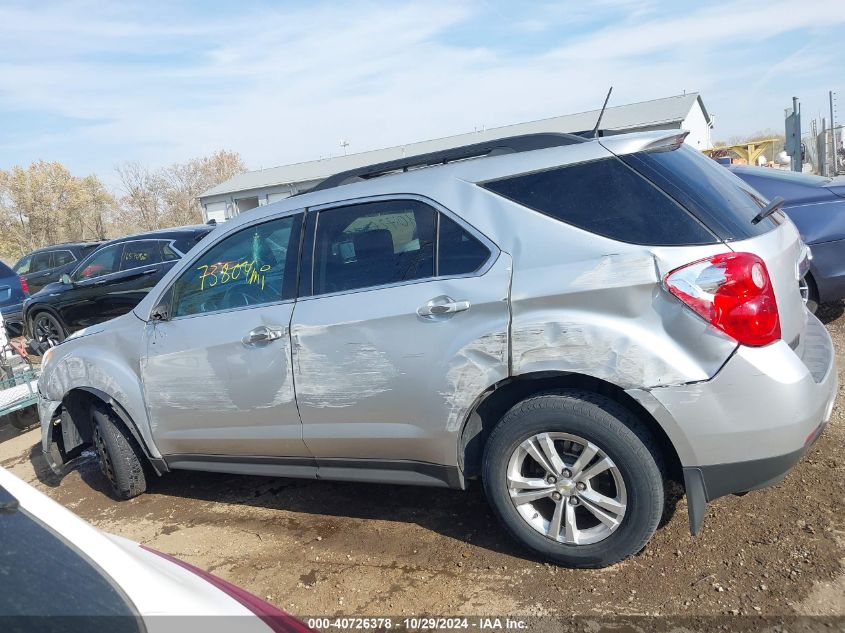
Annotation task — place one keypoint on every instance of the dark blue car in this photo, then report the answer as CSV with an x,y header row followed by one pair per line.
x,y
817,207
12,295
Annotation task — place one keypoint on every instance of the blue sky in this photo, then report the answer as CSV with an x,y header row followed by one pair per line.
x,y
95,84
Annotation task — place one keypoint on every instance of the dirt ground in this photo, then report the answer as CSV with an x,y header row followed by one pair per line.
x,y
318,548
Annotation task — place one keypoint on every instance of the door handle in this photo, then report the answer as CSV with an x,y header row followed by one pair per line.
x,y
442,306
263,334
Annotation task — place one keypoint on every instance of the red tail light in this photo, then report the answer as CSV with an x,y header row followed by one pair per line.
x,y
733,292
24,286
276,619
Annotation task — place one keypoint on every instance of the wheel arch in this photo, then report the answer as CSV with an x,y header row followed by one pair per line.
x,y
496,401
75,428
31,311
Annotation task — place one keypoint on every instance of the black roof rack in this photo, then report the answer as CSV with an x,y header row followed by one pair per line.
x,y
508,145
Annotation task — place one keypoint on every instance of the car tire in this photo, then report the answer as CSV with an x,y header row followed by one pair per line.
x,y
810,293
47,331
120,458
636,478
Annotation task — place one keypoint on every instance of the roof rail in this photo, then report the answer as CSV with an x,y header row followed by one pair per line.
x,y
507,145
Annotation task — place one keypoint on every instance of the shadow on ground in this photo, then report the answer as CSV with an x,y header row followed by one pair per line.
x,y
460,515
829,312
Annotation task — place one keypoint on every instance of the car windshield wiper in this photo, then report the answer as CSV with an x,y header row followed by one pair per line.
x,y
775,204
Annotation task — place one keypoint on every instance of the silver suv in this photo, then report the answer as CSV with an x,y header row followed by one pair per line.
x,y
573,322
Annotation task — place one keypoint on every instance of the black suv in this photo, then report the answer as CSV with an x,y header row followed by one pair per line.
x,y
107,283
46,265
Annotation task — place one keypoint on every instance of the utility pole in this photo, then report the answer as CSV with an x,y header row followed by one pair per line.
x,y
832,171
792,144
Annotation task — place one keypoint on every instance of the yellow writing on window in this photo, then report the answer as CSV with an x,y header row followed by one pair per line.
x,y
222,273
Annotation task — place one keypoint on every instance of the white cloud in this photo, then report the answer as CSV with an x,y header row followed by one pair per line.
x,y
160,84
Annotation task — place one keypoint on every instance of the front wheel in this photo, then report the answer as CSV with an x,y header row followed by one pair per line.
x,y
120,457
47,330
575,477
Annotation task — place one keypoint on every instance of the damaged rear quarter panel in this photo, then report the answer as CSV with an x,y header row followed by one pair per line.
x,y
601,311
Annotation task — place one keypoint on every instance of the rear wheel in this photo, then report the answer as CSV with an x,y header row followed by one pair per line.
x,y
120,457
47,330
575,477
809,292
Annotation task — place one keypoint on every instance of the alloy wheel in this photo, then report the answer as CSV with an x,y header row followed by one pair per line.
x,y
47,330
566,488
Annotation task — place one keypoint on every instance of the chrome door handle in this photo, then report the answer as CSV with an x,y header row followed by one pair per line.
x,y
264,334
442,306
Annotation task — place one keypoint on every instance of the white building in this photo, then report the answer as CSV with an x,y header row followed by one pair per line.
x,y
256,188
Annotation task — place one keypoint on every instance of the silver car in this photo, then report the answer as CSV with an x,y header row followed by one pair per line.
x,y
574,322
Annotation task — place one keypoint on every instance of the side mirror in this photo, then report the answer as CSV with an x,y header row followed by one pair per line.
x,y
66,280
160,313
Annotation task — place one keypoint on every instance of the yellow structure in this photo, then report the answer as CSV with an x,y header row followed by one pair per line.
x,y
749,151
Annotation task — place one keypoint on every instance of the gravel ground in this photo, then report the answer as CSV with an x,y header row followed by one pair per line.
x,y
318,548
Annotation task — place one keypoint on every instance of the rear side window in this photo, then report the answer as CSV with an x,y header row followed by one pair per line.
x,y
373,244
608,198
40,261
721,200
140,253
62,258
459,253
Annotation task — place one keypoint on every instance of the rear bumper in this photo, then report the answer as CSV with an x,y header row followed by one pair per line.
x,y
13,319
748,426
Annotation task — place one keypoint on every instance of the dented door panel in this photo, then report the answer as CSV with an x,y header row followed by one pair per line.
x,y
374,379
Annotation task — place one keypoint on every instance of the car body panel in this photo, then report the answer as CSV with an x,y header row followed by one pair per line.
x,y
209,393
153,585
374,380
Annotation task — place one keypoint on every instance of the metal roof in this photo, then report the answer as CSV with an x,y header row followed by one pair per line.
x,y
664,111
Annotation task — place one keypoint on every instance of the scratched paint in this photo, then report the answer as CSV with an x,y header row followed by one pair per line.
x,y
591,349
339,378
476,366
617,270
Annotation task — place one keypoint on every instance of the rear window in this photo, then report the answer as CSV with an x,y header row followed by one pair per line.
x,y
608,198
5,271
724,202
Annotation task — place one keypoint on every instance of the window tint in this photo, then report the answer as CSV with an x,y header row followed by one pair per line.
x,y
608,198
458,251
102,262
23,265
720,199
247,268
40,261
140,253
373,244
62,258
